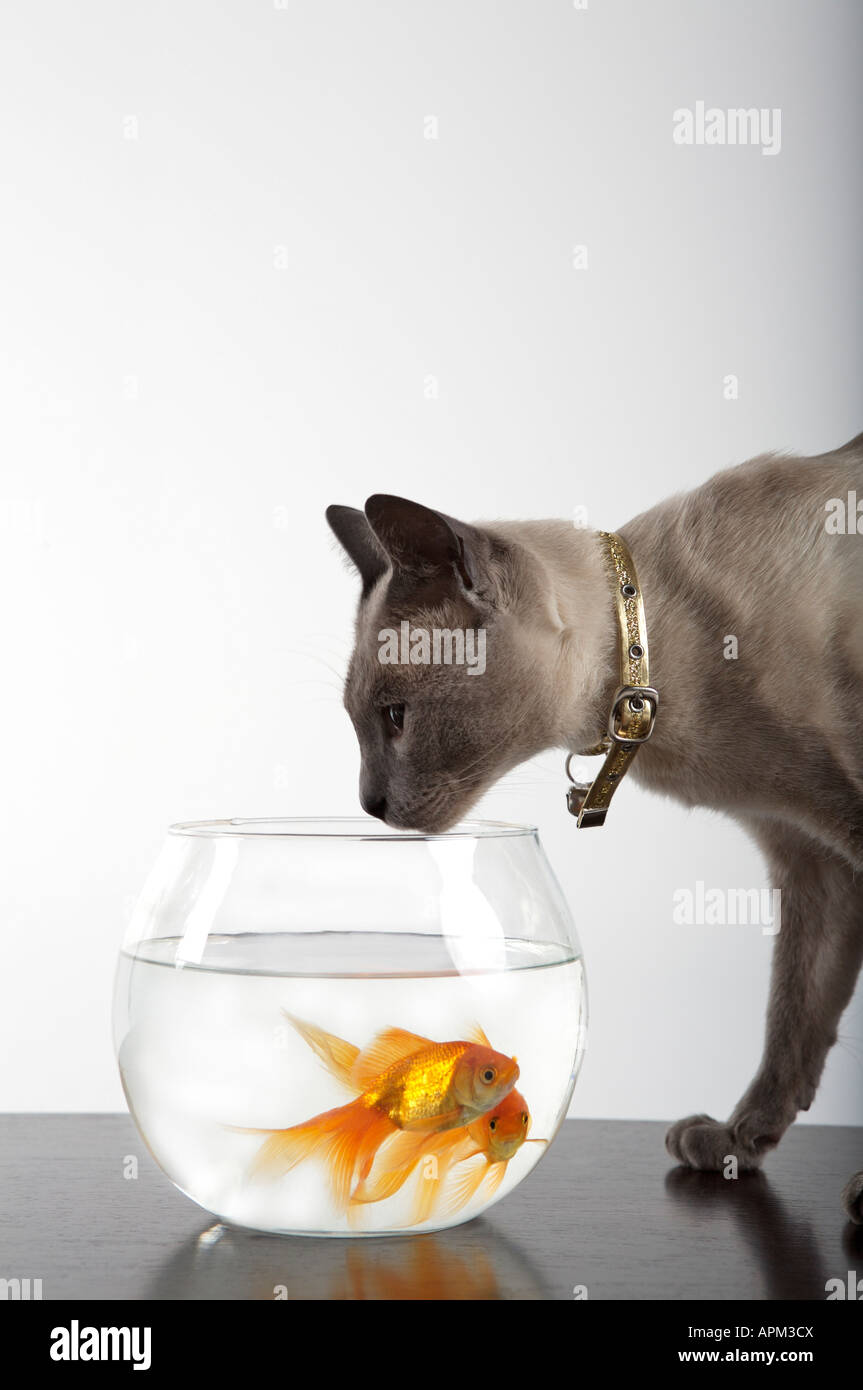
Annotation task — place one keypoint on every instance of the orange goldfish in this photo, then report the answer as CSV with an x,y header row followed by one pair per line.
x,y
498,1136
406,1083
493,1139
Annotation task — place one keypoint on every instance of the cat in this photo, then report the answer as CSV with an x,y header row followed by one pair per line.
x,y
767,553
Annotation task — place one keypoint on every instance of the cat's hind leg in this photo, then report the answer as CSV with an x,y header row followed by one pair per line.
x,y
817,956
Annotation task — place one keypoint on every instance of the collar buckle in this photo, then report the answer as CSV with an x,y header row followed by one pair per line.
x,y
636,723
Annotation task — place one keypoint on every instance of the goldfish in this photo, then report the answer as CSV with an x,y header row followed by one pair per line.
x,y
406,1083
498,1135
494,1139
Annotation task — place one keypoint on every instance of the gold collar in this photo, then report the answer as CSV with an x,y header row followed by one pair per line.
x,y
632,716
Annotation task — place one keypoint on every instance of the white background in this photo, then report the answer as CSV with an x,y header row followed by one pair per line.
x,y
231,261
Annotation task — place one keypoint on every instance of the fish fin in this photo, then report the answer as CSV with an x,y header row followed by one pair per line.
x,y
459,1147
337,1055
379,1188
464,1186
345,1140
355,1215
400,1158
494,1178
475,1034
247,1129
388,1047
394,1165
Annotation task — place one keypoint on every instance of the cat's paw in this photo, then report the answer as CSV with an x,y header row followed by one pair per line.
x,y
852,1198
704,1143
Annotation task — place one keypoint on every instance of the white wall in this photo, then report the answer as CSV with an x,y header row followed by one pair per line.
x,y
177,411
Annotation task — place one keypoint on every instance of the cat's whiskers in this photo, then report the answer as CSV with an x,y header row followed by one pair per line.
x,y
316,657
845,1042
461,779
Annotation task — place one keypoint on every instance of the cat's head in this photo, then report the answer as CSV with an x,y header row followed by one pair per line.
x,y
443,688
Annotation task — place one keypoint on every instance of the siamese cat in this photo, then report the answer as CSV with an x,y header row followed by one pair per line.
x,y
768,553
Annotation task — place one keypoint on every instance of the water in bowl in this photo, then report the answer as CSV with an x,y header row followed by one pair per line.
x,y
206,1055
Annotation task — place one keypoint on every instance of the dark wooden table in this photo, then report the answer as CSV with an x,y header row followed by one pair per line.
x,y
606,1209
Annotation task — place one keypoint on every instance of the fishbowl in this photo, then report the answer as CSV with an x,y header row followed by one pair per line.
x,y
334,1028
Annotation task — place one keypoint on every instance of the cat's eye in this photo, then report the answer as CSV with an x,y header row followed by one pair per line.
x,y
395,717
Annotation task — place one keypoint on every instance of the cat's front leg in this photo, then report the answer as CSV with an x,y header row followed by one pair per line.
x,y
755,1128
816,960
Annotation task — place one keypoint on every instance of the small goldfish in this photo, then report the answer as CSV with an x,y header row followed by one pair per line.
x,y
498,1136
405,1083
493,1139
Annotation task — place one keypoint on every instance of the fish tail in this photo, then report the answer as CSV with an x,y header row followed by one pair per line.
x,y
354,1147
284,1148
345,1140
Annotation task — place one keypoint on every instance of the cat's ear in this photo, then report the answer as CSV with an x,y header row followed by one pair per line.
x,y
349,525
425,545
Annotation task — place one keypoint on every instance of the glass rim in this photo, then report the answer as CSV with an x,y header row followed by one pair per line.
x,y
342,828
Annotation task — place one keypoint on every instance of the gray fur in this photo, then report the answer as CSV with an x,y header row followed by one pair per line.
x,y
772,738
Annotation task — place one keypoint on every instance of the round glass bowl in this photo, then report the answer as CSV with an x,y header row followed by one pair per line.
x,y
329,1027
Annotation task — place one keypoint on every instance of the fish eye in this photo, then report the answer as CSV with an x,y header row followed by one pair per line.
x,y
492,1124
487,1075
524,1117
394,716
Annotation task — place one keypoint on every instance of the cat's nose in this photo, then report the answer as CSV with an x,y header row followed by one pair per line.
x,y
374,805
